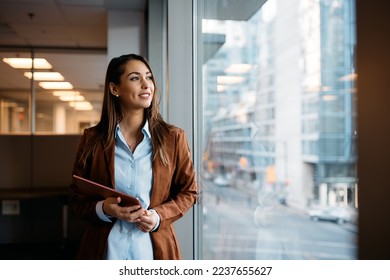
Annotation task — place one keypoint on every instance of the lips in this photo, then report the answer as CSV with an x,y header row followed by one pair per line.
x,y
144,95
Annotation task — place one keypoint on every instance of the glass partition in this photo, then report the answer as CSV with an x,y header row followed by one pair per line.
x,y
278,174
62,96
15,93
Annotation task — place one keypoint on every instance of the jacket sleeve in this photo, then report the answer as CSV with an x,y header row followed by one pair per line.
x,y
183,188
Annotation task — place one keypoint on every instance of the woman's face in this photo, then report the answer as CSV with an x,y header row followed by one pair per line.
x,y
136,86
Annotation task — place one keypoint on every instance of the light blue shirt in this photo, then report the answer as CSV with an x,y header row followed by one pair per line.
x,y
133,175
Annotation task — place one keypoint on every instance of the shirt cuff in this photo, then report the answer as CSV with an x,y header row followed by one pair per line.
x,y
158,220
99,211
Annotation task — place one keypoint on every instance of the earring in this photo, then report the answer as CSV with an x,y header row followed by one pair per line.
x,y
117,95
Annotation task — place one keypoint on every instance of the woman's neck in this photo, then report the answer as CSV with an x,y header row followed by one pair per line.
x,y
132,124
131,128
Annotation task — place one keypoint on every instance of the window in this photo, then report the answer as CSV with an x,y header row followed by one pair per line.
x,y
32,100
278,91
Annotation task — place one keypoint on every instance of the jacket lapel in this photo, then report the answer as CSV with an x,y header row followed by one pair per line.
x,y
110,160
154,196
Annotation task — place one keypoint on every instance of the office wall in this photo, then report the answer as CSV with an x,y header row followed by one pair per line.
x,y
15,163
36,161
35,172
125,33
373,64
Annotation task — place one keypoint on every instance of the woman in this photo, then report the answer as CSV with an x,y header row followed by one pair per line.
x,y
133,150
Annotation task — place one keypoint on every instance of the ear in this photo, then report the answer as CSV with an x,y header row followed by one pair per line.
x,y
113,89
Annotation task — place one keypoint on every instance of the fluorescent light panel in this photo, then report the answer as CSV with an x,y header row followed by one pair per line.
x,y
45,76
26,63
71,98
65,93
229,79
81,106
329,97
56,85
238,68
221,88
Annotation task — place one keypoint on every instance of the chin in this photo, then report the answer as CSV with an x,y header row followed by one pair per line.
x,y
146,105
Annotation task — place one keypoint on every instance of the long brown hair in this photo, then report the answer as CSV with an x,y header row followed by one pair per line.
x,y
112,113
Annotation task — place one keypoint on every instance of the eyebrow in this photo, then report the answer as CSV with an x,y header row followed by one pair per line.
x,y
138,73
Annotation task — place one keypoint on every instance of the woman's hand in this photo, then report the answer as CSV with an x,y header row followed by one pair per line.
x,y
130,214
147,221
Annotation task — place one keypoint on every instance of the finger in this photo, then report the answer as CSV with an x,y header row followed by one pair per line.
x,y
134,216
143,227
148,213
124,212
146,223
146,219
110,204
112,200
133,208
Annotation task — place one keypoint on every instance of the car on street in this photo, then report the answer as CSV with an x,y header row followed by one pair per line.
x,y
338,214
222,181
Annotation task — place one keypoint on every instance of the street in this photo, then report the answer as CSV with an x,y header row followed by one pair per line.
x,y
235,226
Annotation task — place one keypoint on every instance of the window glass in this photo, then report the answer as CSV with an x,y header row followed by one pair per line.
x,y
14,97
41,107
278,172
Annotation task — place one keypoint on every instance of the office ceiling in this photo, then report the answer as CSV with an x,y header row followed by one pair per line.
x,y
76,27
59,23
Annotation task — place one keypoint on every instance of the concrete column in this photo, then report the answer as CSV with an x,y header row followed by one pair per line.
x,y
125,33
59,116
323,196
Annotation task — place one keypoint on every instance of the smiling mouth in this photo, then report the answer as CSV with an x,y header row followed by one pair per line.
x,y
144,95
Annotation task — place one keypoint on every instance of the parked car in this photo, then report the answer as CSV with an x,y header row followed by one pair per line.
x,y
222,181
336,214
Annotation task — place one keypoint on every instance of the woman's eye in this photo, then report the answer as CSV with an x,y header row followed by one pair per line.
x,y
133,78
149,77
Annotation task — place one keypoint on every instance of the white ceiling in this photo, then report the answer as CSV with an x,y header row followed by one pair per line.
x,y
70,34
59,23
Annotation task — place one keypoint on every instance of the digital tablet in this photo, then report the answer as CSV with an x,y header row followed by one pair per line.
x,y
90,188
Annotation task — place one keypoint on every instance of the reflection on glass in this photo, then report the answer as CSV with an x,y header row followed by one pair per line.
x,y
278,169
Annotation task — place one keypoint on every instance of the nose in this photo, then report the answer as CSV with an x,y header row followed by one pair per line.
x,y
145,83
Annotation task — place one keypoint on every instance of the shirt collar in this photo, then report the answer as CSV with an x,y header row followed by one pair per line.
x,y
145,129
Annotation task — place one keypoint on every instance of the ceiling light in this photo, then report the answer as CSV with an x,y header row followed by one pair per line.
x,y
71,98
221,88
45,76
65,92
81,106
69,95
56,85
329,97
26,63
238,68
229,79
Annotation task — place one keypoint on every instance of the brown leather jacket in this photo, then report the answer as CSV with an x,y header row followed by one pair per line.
x,y
174,191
